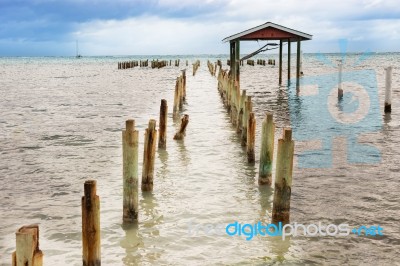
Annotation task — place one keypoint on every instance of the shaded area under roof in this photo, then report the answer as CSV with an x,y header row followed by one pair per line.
x,y
269,31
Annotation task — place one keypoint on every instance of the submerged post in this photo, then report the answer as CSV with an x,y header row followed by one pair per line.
x,y
267,150
130,144
149,156
27,252
182,131
91,225
162,138
251,135
388,90
283,178
340,88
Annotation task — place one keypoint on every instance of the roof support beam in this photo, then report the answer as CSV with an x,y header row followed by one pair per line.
x,y
298,65
280,62
288,64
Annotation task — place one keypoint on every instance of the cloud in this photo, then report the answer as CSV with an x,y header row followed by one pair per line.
x,y
179,27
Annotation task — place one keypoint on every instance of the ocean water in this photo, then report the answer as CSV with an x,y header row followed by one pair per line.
x,y
61,122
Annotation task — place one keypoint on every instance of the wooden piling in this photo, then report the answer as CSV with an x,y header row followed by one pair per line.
x,y
246,112
267,150
176,99
182,130
180,88
27,252
340,88
283,178
130,142
184,83
162,137
388,90
91,225
251,136
149,156
239,124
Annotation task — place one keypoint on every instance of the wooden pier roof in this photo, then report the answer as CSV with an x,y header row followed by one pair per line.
x,y
269,31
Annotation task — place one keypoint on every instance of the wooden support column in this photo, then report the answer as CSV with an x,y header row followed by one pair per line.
x,y
298,64
280,62
288,64
237,61
232,58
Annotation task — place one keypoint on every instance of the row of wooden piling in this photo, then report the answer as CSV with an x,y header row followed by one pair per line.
x,y
250,62
158,64
128,64
27,237
145,63
196,66
263,62
240,108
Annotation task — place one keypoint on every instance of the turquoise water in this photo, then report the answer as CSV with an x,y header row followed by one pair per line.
x,y
60,124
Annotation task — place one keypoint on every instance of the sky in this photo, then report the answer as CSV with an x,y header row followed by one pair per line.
x,y
170,27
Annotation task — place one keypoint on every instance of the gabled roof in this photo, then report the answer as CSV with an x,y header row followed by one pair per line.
x,y
269,31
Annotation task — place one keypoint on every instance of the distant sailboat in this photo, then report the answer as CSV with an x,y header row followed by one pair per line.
x,y
77,51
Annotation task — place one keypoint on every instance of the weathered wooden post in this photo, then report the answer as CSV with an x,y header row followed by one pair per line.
x,y
184,83
283,179
91,225
251,136
130,144
248,108
180,87
176,99
182,131
267,150
149,156
388,90
239,124
162,137
27,252
340,88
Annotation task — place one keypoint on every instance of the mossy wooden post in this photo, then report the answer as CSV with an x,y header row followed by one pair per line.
x,y
182,130
251,136
130,144
91,225
283,178
149,156
176,99
239,124
246,112
388,90
27,252
162,137
267,150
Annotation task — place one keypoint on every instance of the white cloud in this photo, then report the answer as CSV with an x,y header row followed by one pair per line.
x,y
327,21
